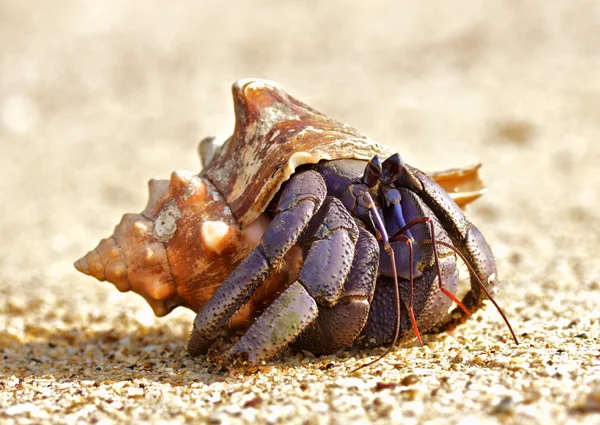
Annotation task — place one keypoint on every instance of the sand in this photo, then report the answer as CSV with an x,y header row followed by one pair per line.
x,y
98,97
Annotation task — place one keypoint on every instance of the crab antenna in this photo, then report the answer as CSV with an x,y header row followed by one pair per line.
x,y
391,169
388,248
409,242
433,242
473,273
372,172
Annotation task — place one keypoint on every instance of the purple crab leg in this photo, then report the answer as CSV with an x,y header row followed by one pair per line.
x,y
321,280
429,222
329,259
483,288
370,204
279,324
467,242
339,326
299,200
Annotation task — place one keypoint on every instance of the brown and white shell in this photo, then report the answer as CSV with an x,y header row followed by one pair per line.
x,y
276,133
196,228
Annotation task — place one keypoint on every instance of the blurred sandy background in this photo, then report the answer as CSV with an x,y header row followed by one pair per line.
x,y
98,97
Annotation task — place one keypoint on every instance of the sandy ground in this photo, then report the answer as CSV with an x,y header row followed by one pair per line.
x,y
95,99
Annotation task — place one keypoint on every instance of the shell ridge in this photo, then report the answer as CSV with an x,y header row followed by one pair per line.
x,y
170,268
122,257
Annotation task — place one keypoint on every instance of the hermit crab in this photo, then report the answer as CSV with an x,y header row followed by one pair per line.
x,y
304,232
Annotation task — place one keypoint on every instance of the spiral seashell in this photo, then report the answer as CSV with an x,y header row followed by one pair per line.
x,y
177,250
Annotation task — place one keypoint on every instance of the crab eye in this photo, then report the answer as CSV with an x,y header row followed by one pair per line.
x,y
391,169
372,172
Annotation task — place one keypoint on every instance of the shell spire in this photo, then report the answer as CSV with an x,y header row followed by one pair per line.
x,y
177,251
105,263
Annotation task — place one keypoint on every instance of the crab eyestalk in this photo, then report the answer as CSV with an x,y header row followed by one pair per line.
x,y
176,251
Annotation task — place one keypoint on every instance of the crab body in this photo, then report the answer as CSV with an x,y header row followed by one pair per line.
x,y
297,230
